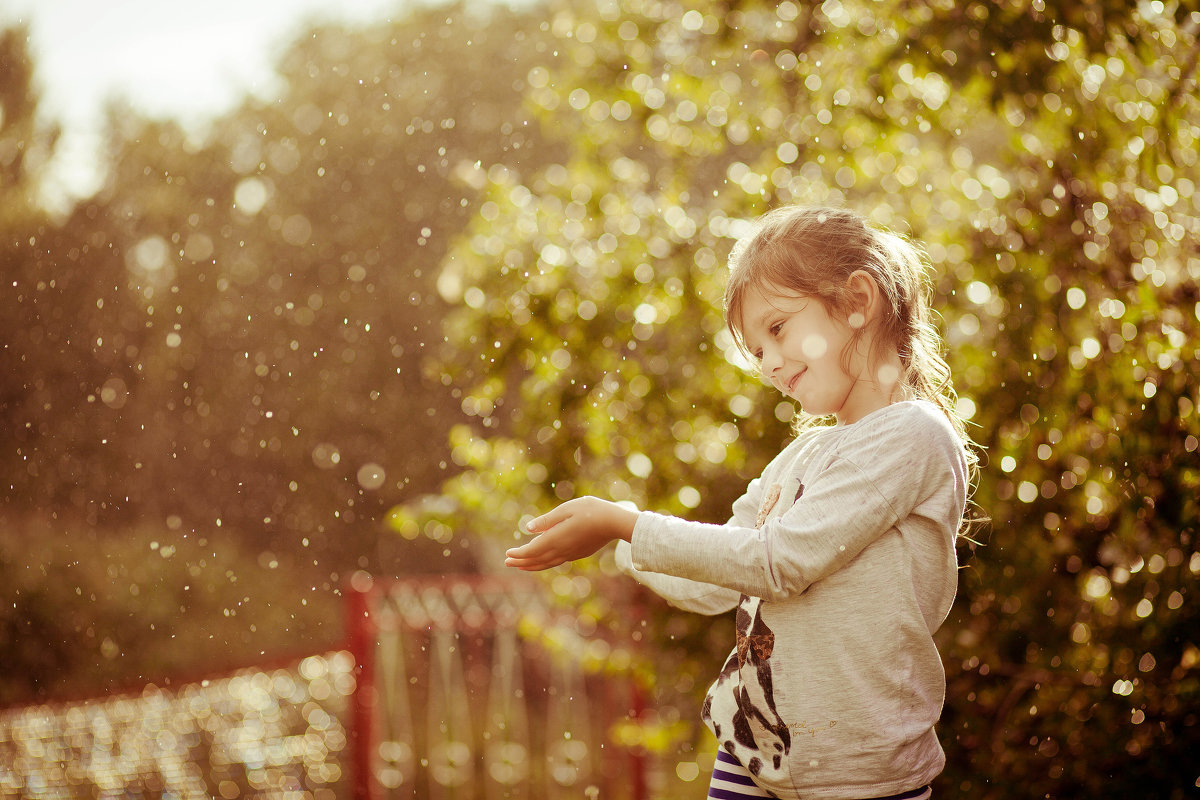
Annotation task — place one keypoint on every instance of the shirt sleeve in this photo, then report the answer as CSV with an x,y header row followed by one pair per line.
x,y
873,478
690,595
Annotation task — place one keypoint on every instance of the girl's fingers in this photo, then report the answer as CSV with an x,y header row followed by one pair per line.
x,y
517,552
532,555
536,554
527,550
547,520
532,564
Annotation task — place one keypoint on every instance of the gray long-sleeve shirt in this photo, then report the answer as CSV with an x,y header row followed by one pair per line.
x,y
840,559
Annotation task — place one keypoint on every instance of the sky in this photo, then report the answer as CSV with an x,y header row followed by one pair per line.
x,y
167,58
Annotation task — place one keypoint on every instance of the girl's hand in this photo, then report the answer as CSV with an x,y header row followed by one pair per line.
x,y
576,529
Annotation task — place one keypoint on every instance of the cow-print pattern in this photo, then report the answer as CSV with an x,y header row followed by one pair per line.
x,y
756,735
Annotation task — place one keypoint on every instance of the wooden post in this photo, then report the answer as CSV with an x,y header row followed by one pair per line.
x,y
637,755
361,635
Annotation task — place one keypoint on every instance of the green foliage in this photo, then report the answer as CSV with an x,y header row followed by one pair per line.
x,y
1045,153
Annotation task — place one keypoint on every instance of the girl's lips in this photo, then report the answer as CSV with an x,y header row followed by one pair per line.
x,y
791,384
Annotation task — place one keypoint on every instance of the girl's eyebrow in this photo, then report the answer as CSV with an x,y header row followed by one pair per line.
x,y
762,319
801,303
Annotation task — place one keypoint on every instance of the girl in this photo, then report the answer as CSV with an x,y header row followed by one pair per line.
x,y
840,558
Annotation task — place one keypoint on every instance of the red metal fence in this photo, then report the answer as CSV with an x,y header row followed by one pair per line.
x,y
480,688
467,688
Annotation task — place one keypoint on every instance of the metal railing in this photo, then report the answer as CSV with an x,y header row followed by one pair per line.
x,y
483,688
460,688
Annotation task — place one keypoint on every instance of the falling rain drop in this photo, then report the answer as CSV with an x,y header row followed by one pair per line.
x,y
371,476
326,456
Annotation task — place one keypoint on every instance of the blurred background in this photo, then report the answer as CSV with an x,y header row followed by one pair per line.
x,y
390,280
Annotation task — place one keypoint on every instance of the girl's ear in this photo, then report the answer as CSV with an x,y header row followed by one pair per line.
x,y
864,298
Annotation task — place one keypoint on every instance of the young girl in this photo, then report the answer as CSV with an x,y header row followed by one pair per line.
x,y
840,558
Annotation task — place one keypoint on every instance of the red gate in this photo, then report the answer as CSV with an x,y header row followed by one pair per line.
x,y
473,688
467,688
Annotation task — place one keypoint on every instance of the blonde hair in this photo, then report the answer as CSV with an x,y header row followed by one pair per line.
x,y
812,251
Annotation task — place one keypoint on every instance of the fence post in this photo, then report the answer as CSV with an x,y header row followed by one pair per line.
x,y
637,775
361,636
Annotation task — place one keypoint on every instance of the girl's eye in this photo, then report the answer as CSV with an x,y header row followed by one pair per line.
x,y
776,328
757,355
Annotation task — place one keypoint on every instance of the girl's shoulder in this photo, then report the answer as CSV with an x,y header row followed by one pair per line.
x,y
907,418
906,432
913,421
915,425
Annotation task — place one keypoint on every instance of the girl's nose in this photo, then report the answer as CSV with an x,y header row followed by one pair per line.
x,y
770,362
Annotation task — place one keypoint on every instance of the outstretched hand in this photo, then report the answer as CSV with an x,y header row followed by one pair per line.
x,y
576,529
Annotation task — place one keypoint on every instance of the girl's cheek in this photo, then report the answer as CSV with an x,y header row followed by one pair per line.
x,y
814,346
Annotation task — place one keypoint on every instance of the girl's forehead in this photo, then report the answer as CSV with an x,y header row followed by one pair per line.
x,y
763,298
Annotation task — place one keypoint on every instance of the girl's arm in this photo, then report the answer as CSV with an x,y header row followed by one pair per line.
x,y
872,482
580,527
695,596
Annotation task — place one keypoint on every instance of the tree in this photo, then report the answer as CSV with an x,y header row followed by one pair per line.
x,y
286,265
51,360
1045,154
226,345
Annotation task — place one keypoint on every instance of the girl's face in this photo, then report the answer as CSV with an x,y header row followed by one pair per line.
x,y
806,353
